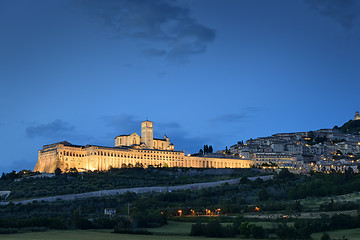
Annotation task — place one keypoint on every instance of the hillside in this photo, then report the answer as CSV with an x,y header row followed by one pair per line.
x,y
28,187
352,126
232,205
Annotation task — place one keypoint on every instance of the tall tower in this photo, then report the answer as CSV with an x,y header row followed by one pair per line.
x,y
357,116
147,134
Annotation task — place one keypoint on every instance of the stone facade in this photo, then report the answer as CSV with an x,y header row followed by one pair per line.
x,y
129,150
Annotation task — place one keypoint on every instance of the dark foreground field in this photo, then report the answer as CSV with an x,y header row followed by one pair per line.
x,y
173,231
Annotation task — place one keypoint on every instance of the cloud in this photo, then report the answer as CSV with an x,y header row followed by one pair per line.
x,y
128,65
187,143
245,113
155,21
162,74
183,140
55,129
22,164
17,165
123,123
169,125
343,11
228,118
154,52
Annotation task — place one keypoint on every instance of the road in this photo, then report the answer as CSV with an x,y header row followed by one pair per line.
x,y
102,193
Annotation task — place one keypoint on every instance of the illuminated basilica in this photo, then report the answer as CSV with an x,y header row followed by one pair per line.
x,y
130,150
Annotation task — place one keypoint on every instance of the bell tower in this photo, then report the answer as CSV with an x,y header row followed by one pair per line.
x,y
357,116
147,134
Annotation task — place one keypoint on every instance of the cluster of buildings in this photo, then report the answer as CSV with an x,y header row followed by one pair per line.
x,y
322,150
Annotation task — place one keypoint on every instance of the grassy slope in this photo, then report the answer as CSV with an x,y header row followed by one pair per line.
x,y
314,202
351,234
173,228
29,188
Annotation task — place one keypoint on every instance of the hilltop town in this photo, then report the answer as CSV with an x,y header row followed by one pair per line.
x,y
323,150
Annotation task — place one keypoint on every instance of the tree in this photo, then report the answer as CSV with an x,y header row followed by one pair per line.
x,y
210,149
285,174
214,229
349,172
257,231
76,217
297,206
73,171
244,180
13,175
244,229
138,165
197,229
283,231
325,236
263,195
201,152
58,172
85,224
206,149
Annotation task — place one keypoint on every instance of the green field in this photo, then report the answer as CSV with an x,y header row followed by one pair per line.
x,y
173,228
173,231
92,235
350,234
315,202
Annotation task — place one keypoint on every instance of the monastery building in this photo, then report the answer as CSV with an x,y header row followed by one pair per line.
x,y
129,150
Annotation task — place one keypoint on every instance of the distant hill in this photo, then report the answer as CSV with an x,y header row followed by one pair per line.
x,y
352,126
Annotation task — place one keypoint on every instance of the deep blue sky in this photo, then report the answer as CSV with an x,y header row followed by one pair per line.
x,y
205,71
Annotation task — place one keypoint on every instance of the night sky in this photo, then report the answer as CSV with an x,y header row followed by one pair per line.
x,y
206,71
